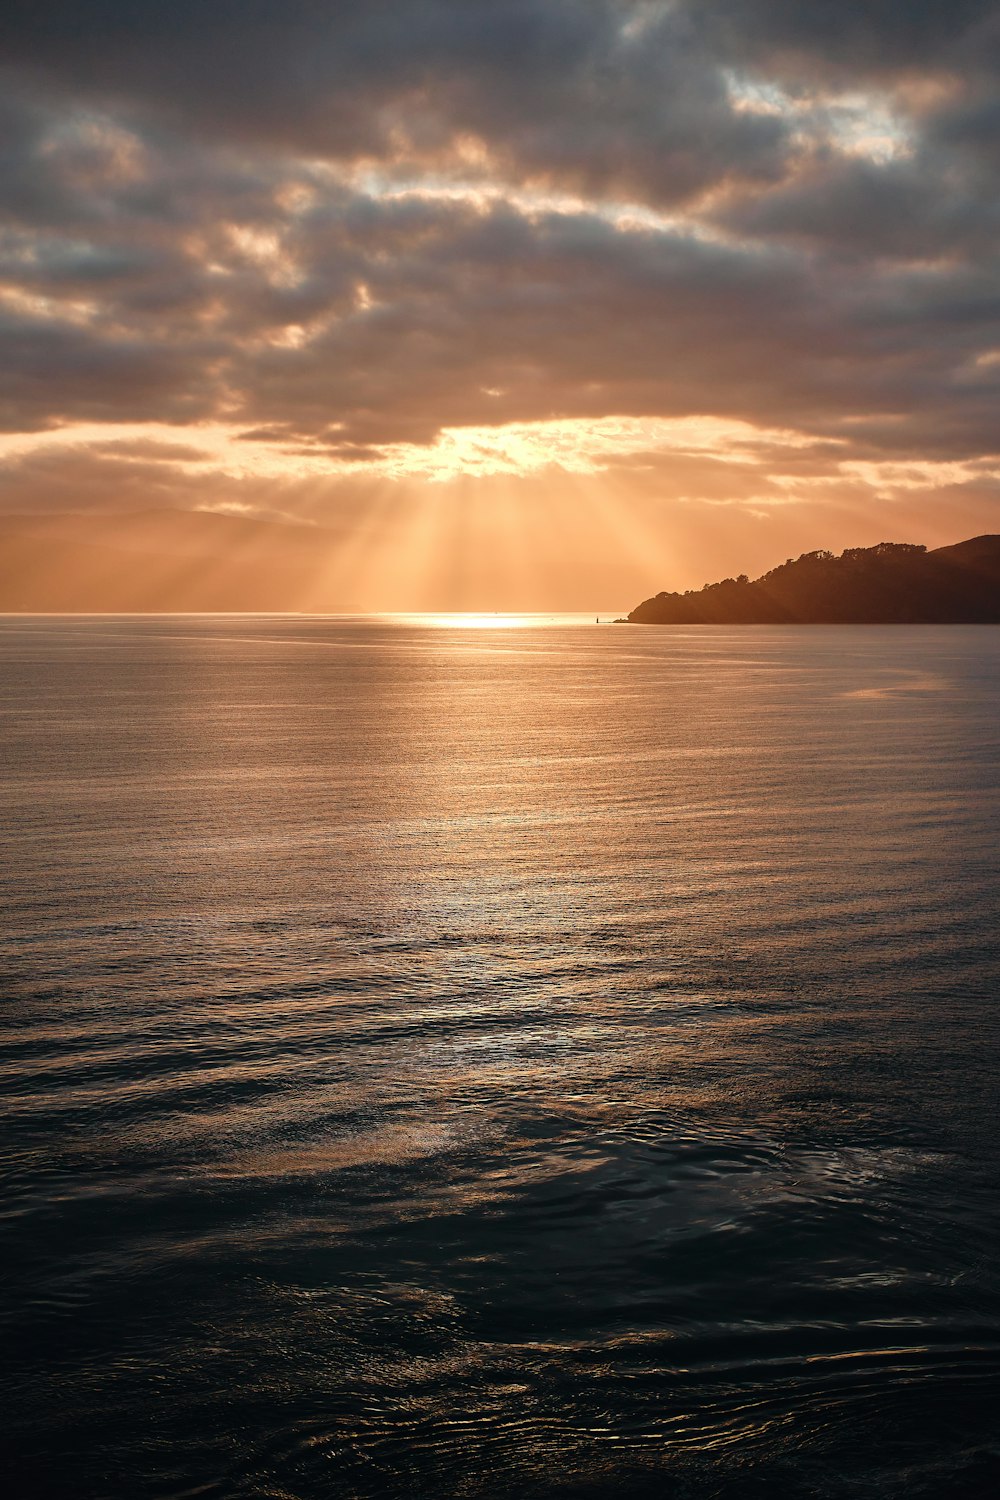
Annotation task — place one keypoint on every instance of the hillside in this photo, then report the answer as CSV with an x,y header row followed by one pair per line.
x,y
894,583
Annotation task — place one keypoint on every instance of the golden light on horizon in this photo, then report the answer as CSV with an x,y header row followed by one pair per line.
x,y
514,448
475,619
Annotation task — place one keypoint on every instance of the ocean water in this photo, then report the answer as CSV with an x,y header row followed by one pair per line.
x,y
534,1062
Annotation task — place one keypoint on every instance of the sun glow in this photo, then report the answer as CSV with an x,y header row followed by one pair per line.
x,y
514,449
482,620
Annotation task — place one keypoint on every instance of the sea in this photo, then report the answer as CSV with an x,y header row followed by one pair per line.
x,y
512,1057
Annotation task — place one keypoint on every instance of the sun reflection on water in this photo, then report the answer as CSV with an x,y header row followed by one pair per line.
x,y
484,620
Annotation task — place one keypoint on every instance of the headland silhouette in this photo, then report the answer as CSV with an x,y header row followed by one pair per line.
x,y
893,583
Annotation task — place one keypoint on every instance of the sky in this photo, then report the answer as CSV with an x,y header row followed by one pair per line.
x,y
605,296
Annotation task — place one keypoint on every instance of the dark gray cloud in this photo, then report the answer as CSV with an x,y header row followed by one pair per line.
x,y
55,371
902,210
859,38
404,316
588,94
630,92
350,226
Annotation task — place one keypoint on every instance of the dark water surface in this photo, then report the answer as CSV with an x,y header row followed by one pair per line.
x,y
545,1062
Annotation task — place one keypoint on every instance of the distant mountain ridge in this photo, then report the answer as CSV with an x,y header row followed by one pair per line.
x,y
893,583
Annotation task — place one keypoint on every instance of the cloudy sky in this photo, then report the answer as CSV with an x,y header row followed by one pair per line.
x,y
628,294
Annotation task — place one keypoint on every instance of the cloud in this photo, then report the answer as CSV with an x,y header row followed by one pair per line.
x,y
377,320
593,94
357,233
881,39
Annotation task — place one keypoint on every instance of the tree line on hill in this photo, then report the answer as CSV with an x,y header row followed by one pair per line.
x,y
892,583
